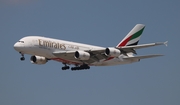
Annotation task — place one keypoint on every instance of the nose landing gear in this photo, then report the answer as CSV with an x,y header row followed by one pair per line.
x,y
22,58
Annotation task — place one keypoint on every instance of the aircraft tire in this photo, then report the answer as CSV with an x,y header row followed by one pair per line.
x,y
22,58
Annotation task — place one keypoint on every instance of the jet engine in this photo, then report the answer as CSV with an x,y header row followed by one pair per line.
x,y
112,52
38,60
81,55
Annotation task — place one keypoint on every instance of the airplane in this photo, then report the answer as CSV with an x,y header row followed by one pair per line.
x,y
82,56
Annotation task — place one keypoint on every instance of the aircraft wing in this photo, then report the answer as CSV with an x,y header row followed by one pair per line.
x,y
127,49
99,54
96,55
143,57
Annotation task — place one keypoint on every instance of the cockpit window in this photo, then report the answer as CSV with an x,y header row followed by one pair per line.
x,y
21,41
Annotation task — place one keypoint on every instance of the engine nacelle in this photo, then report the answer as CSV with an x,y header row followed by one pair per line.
x,y
112,52
81,55
38,60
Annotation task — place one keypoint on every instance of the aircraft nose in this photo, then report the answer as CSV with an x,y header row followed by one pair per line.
x,y
17,46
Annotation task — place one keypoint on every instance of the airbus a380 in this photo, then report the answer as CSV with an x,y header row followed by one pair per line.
x,y
82,56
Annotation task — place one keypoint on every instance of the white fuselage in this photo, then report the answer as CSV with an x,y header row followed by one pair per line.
x,y
43,46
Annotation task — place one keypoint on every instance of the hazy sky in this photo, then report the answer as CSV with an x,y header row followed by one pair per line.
x,y
99,22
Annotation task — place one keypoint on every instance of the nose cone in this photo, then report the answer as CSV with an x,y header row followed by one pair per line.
x,y
17,46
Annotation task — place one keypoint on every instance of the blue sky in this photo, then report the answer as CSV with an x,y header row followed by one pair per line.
x,y
99,22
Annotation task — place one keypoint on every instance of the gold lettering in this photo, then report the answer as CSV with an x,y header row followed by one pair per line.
x,y
62,46
45,44
40,42
50,44
55,45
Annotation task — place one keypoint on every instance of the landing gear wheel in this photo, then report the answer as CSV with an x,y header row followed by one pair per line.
x,y
22,58
82,67
65,67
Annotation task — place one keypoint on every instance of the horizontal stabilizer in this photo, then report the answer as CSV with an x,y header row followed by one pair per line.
x,y
143,57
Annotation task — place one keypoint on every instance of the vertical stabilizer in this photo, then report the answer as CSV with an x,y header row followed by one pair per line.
x,y
133,37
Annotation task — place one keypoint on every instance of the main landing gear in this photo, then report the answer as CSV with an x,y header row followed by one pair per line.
x,y
65,67
81,67
22,58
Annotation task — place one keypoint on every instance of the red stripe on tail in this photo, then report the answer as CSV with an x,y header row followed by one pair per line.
x,y
125,41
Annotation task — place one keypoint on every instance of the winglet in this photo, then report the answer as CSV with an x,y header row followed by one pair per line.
x,y
166,43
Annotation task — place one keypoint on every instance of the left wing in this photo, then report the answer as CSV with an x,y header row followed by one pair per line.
x,y
95,55
99,54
